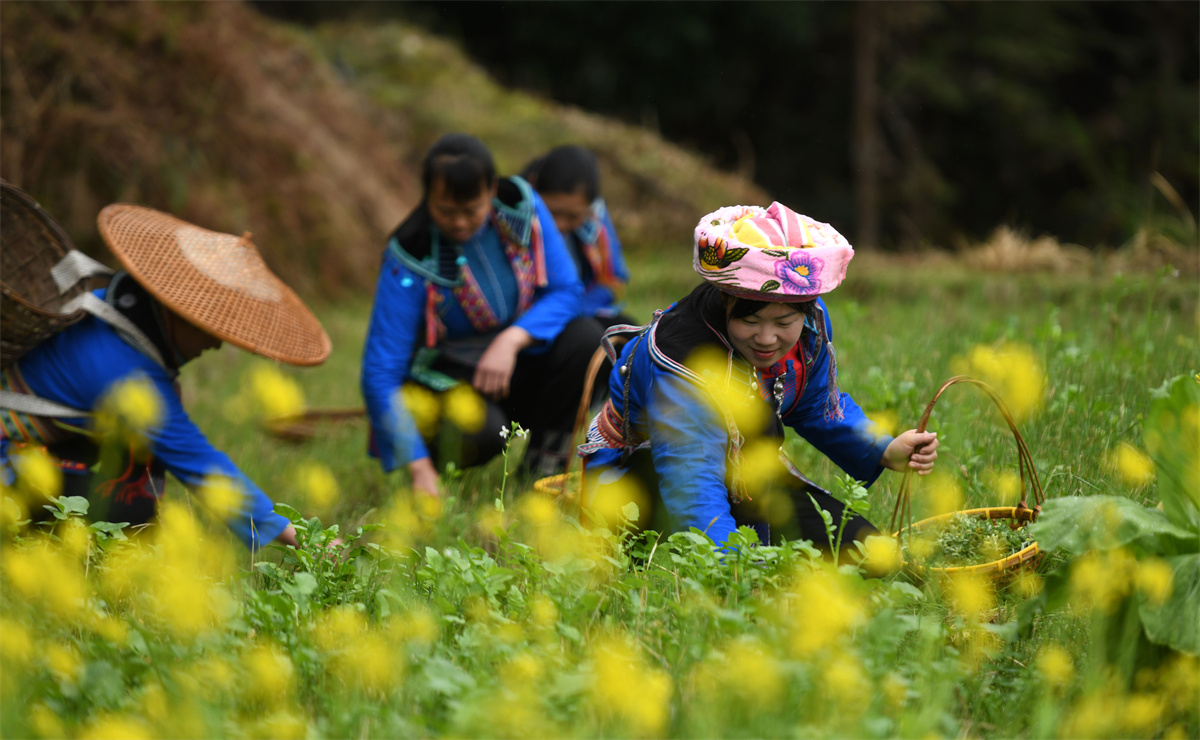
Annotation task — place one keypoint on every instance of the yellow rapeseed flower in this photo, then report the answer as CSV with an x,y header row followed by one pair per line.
x,y
882,555
883,422
130,410
318,484
845,683
543,614
1103,579
1027,583
64,662
418,627
275,394
38,477
622,685
938,493
368,663
1134,466
423,406
538,510
522,670
1142,714
115,727
1154,579
895,691
12,511
729,396
267,674
76,538
222,496
1055,666
45,722
465,408
1006,485
826,609
1013,370
281,725
752,674
16,643
971,594
761,466
612,498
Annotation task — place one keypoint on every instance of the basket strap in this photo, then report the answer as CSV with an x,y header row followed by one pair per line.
x,y
74,267
26,403
87,301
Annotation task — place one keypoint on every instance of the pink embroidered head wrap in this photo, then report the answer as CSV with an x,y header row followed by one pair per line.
x,y
770,254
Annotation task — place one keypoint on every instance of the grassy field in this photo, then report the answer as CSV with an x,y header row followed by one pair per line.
x,y
493,616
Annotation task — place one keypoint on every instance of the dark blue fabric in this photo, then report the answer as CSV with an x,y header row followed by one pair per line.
x,y
688,438
398,317
78,366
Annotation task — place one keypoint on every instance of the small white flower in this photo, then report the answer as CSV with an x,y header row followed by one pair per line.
x,y
504,433
522,433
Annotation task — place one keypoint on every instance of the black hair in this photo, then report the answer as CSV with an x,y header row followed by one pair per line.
x,y
462,163
740,308
565,169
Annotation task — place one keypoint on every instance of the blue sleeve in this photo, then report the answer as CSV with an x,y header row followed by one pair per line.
x,y
688,443
387,358
849,442
560,301
190,457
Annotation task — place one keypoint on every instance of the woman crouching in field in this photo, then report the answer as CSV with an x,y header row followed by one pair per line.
x,y
700,393
476,291
568,180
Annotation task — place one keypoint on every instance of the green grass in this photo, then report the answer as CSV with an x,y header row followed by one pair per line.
x,y
644,637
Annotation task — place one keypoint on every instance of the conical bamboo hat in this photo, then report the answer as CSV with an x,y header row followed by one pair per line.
x,y
216,281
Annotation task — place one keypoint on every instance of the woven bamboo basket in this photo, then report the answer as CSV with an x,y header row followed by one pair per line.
x,y
31,243
1017,516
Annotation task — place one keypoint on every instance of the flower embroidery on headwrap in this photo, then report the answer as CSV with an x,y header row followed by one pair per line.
x,y
798,273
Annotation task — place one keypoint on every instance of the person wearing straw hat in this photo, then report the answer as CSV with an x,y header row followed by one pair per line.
x,y
700,396
476,290
568,180
183,290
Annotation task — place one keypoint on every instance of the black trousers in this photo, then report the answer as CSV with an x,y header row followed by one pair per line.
x,y
794,518
543,397
130,496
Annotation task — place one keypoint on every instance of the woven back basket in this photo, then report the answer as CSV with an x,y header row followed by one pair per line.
x,y
1017,516
31,243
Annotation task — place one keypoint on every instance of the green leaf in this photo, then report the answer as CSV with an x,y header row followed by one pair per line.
x,y
1171,432
774,253
630,511
1175,622
1076,524
769,286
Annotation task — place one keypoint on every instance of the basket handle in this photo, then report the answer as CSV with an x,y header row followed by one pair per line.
x,y
581,418
902,513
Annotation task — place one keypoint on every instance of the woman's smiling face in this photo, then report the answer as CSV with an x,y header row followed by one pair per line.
x,y
763,338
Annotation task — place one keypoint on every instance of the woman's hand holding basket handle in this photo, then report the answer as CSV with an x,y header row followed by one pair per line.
x,y
912,449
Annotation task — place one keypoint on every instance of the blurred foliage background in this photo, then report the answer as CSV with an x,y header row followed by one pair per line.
x,y
906,125
960,115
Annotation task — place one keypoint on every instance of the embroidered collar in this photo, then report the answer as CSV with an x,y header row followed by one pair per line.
x,y
417,242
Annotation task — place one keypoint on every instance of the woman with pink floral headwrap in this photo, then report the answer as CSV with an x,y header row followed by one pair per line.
x,y
701,391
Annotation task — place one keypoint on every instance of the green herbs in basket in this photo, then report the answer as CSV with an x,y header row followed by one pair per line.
x,y
964,540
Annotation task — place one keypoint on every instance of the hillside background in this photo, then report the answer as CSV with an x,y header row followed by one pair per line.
x,y
908,126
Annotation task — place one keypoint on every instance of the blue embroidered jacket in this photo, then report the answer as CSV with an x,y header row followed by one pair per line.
x,y
670,408
77,366
419,267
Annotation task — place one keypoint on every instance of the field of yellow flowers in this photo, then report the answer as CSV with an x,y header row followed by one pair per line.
x,y
494,613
